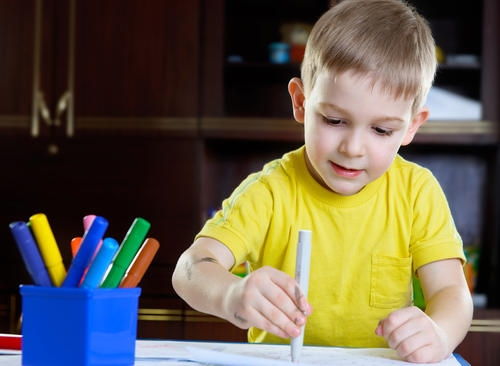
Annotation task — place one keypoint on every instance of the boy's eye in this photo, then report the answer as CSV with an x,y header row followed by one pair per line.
x,y
333,121
382,131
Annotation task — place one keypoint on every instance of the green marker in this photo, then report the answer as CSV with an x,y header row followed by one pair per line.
x,y
128,249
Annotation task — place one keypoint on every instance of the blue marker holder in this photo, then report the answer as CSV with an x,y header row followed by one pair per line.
x,y
79,327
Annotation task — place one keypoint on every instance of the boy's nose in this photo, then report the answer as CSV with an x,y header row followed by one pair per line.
x,y
352,145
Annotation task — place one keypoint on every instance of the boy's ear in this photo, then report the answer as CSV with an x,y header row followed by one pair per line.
x,y
296,90
418,120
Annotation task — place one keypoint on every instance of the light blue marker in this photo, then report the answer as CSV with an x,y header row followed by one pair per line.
x,y
100,264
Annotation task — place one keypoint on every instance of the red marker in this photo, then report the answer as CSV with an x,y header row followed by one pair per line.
x,y
10,341
141,263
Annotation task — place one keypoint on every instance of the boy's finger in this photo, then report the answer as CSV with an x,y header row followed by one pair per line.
x,y
403,334
396,319
290,286
284,304
273,318
262,322
412,346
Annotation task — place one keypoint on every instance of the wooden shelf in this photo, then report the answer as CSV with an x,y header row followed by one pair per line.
x,y
283,129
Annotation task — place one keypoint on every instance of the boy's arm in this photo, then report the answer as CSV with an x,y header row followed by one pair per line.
x,y
433,335
448,299
265,299
206,258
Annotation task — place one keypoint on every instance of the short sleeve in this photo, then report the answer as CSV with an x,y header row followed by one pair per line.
x,y
434,235
243,221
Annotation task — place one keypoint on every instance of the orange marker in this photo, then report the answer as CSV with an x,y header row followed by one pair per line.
x,y
75,245
141,263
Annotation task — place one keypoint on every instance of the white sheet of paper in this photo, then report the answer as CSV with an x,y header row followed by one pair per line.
x,y
182,353
276,355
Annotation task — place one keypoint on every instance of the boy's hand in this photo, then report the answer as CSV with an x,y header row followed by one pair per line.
x,y
270,300
414,335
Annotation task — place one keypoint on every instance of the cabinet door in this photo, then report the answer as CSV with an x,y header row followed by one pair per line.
x,y
17,22
135,62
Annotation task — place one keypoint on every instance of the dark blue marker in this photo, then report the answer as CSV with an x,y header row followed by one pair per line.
x,y
30,253
87,249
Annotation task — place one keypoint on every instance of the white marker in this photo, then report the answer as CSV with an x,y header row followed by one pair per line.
x,y
302,266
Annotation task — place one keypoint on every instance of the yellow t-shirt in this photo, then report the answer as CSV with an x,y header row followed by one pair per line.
x,y
364,246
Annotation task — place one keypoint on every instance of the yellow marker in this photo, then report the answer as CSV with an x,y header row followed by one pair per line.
x,y
48,248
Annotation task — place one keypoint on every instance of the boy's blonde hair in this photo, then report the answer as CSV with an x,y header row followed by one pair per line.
x,y
386,40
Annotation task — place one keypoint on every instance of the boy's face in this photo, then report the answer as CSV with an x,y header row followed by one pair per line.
x,y
353,130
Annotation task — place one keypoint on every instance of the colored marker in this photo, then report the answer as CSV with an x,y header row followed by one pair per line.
x,y
75,245
11,341
100,263
128,249
30,253
302,264
86,252
48,248
87,221
141,263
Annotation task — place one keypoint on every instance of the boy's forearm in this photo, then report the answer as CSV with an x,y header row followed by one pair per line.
x,y
451,309
203,283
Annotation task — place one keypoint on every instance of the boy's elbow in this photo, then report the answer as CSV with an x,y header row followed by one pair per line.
x,y
469,304
179,275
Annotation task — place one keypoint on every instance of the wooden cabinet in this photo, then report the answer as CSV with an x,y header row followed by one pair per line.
x,y
137,65
99,65
115,132
136,58
17,23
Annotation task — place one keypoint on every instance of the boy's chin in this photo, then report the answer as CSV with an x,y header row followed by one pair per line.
x,y
345,189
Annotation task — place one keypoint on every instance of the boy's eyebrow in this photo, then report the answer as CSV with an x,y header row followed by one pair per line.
x,y
346,112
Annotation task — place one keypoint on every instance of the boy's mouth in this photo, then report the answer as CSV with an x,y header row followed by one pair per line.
x,y
345,172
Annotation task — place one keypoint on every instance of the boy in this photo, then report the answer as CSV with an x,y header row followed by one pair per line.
x,y
375,218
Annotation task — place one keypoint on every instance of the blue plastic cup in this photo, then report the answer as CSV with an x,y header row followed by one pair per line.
x,y
79,327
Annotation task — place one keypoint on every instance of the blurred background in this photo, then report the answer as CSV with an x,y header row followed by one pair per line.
x,y
159,108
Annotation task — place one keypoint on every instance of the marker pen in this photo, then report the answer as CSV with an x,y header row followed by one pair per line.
x,y
141,263
30,253
86,252
100,264
302,266
128,249
75,245
48,248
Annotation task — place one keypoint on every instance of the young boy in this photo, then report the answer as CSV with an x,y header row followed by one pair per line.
x,y
375,218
